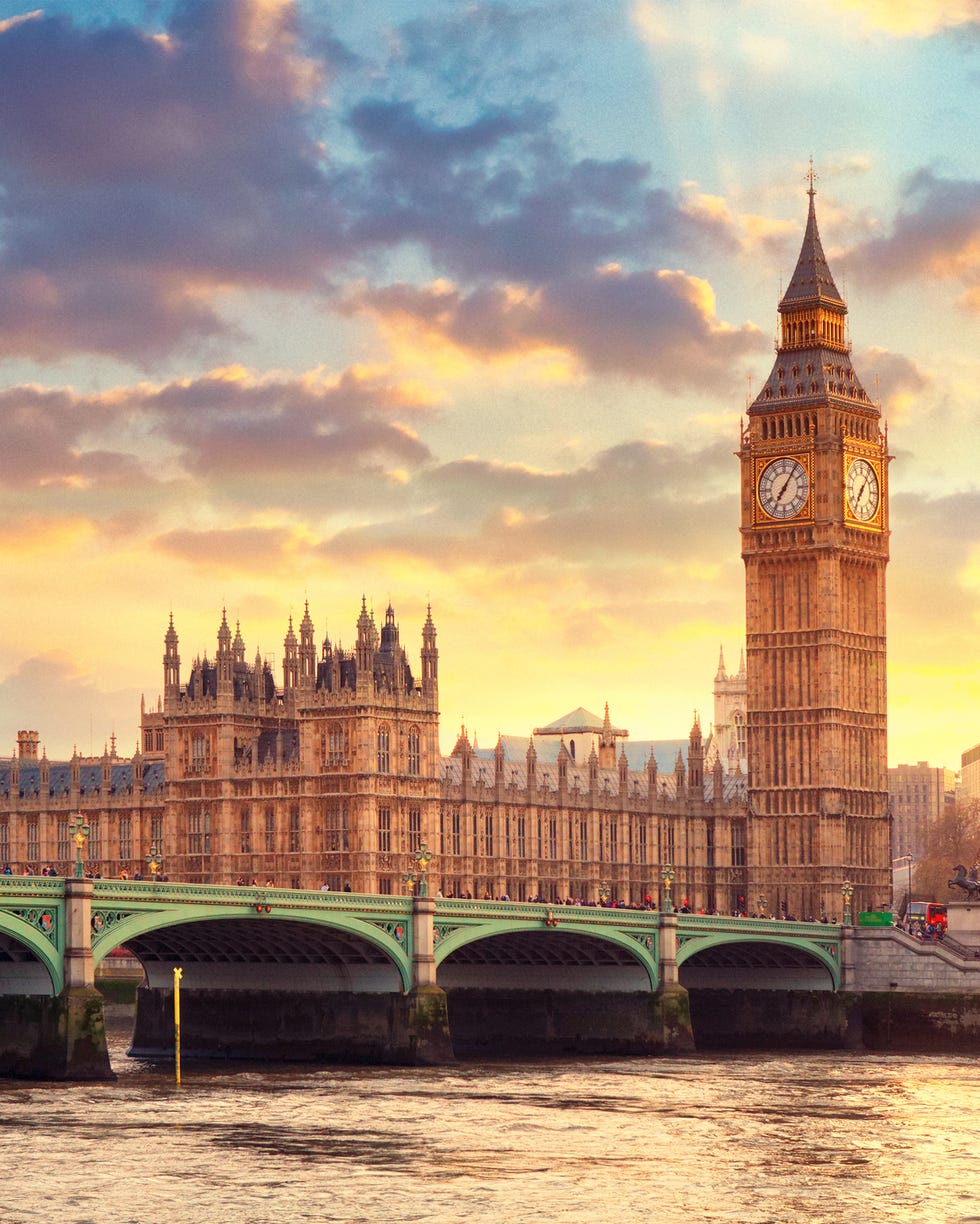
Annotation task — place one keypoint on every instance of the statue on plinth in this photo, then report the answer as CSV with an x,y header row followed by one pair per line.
x,y
966,880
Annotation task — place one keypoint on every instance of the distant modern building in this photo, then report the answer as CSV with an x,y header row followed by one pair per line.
x,y
970,773
919,793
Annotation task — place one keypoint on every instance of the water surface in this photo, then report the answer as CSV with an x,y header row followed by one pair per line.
x,y
747,1139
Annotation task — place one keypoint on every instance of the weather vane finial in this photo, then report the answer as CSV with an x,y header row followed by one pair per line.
x,y
811,178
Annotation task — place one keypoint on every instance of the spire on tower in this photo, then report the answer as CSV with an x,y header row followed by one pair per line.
x,y
811,280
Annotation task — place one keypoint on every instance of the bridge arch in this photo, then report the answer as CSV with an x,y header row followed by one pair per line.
x,y
278,950
512,955
756,962
29,962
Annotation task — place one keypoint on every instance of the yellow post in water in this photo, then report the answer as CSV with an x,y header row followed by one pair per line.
x,y
178,974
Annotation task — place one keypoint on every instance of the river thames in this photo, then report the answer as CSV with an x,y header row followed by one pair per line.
x,y
740,1138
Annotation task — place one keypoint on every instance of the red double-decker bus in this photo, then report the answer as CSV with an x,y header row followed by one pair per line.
x,y
924,913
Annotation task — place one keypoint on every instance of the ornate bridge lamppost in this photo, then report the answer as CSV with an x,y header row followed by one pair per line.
x,y
847,892
908,857
604,893
668,878
762,905
79,832
154,861
417,878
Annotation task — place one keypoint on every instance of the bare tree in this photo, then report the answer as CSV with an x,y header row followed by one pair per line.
x,y
953,837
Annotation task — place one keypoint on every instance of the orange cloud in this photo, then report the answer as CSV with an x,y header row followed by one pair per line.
x,y
600,321
910,18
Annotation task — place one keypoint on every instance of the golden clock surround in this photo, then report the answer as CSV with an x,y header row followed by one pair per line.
x,y
760,516
877,464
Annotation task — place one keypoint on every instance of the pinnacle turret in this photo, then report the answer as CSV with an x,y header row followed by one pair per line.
x,y
224,633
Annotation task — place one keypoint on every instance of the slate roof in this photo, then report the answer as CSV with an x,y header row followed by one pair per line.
x,y
574,722
482,769
89,778
637,752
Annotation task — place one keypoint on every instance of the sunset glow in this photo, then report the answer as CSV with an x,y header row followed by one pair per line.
x,y
460,305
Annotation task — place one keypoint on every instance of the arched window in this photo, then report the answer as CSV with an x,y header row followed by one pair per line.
x,y
335,744
198,752
414,752
741,738
384,749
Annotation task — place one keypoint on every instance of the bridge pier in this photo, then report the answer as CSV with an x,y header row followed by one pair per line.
x,y
80,1051
428,1013
673,1004
60,1037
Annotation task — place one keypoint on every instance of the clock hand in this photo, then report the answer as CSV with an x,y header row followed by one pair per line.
x,y
779,495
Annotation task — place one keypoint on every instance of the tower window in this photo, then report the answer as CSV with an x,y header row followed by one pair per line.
x,y
198,752
414,752
335,744
384,749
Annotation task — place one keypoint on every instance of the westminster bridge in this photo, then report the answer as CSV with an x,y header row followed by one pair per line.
x,y
283,973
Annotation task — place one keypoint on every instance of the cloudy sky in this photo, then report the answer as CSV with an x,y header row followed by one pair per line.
x,y
460,302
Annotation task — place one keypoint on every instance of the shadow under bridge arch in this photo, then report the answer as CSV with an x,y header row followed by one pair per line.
x,y
538,991
271,953
29,963
736,962
522,959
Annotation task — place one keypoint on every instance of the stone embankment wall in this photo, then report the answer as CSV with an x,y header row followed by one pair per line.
x,y
886,959
402,1029
539,1023
775,1020
900,994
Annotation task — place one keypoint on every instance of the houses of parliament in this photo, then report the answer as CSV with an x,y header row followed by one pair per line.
x,y
330,774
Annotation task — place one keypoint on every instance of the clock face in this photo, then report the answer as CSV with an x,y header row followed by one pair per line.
x,y
863,493
783,488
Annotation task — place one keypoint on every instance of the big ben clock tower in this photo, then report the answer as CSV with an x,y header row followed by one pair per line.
x,y
814,486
